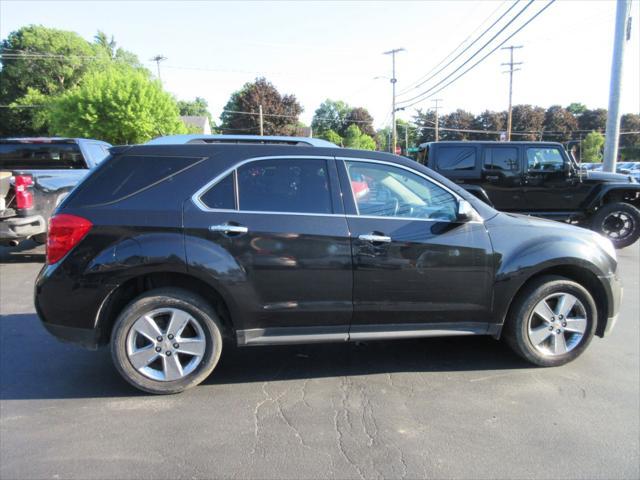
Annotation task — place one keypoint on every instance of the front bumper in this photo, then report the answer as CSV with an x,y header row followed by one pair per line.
x,y
613,290
20,228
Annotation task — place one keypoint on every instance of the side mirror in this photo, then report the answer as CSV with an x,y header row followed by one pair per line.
x,y
465,211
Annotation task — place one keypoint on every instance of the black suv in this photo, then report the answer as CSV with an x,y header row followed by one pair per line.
x,y
541,179
164,250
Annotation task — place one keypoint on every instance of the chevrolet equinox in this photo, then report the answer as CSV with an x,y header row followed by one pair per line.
x,y
167,248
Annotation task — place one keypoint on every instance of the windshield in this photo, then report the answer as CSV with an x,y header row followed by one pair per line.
x,y
40,156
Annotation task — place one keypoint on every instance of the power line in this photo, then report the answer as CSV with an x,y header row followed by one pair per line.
x,y
422,82
474,54
479,61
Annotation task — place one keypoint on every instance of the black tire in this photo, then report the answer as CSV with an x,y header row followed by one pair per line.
x,y
627,215
197,308
517,325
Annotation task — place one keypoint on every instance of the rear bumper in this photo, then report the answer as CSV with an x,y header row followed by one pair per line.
x,y
19,228
613,290
78,336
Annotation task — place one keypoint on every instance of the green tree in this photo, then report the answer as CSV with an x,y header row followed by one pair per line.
x,y
425,122
576,108
330,115
560,122
331,136
354,138
198,107
280,111
592,146
360,117
38,59
119,105
109,48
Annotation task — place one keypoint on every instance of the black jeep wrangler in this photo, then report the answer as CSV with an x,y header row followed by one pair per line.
x,y
541,179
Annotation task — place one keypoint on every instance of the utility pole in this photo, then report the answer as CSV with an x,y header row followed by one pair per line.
x,y
394,133
621,36
406,140
437,108
511,64
261,121
158,59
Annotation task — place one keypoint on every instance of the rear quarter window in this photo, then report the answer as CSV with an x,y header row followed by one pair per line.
x,y
456,161
121,177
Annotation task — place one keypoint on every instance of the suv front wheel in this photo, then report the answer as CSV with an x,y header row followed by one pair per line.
x,y
619,222
166,341
551,322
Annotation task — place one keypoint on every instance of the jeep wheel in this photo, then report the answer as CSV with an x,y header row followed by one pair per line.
x,y
619,222
166,341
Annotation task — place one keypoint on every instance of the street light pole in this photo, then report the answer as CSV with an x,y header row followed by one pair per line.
x,y
621,36
394,133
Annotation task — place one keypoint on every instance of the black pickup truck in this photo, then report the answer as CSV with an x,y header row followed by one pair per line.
x,y
541,179
35,175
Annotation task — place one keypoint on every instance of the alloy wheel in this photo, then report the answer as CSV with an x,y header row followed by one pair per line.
x,y
166,344
557,324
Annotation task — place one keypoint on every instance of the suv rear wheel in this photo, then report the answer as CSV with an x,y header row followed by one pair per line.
x,y
619,222
166,341
551,322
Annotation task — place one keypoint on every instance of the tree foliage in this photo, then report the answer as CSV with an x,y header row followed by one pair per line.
x,y
527,118
332,136
560,122
330,115
119,105
591,149
595,120
360,117
197,108
630,122
576,108
354,138
280,111
46,62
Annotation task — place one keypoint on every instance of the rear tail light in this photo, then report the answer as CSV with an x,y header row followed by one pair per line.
x,y
65,232
24,197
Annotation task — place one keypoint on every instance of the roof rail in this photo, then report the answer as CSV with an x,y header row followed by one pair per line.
x,y
242,139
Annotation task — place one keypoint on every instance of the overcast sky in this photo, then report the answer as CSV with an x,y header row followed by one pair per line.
x,y
319,50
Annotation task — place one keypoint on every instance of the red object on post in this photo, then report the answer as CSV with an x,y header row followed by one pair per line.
x,y
24,198
65,232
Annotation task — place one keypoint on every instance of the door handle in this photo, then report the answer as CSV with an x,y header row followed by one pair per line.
x,y
228,229
375,238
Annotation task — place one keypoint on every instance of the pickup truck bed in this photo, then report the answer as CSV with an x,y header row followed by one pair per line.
x,y
35,175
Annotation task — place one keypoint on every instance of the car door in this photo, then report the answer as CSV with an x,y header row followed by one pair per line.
x,y
415,264
550,183
273,232
502,177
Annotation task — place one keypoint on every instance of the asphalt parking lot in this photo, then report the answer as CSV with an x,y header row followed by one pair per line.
x,y
436,408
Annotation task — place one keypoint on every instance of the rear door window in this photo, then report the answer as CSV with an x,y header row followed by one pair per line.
x,y
503,159
285,185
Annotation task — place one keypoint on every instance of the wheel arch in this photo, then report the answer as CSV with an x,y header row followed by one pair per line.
x,y
580,275
119,297
628,193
